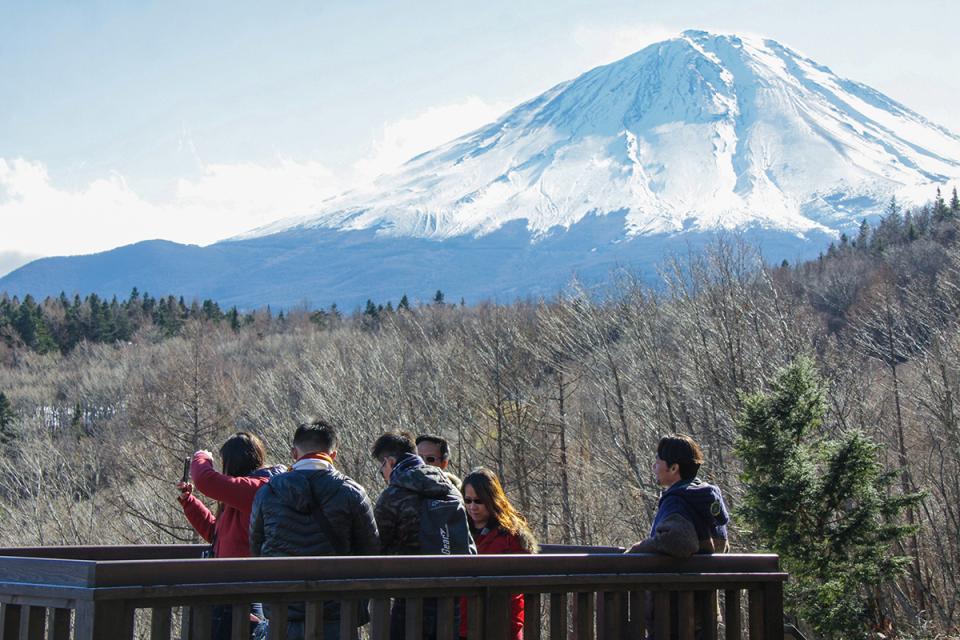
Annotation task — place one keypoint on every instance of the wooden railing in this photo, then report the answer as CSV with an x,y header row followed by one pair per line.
x,y
106,593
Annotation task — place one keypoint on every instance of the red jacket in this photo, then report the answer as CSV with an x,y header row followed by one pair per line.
x,y
498,541
230,533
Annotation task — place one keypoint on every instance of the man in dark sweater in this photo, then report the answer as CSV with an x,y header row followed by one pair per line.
x,y
691,516
313,510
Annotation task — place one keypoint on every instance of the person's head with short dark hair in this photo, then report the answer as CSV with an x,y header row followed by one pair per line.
x,y
242,454
319,436
434,450
682,451
389,447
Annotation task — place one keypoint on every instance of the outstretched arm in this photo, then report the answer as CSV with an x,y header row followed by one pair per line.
x,y
236,492
674,536
200,518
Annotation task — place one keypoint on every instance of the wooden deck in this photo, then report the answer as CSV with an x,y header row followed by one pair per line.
x,y
580,593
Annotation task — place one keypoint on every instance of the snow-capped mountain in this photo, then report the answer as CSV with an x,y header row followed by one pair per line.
x,y
647,155
700,132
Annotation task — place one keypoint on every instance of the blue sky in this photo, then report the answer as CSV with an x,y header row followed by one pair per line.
x,y
194,121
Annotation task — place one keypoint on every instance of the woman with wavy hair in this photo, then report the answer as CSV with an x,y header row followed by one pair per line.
x,y
497,527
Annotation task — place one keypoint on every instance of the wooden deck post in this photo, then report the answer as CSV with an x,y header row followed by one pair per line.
x,y
497,610
773,610
60,624
9,622
103,621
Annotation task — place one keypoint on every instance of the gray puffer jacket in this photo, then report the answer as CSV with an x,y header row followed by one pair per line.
x,y
400,506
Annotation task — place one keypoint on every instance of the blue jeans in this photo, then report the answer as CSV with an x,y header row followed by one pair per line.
x,y
222,620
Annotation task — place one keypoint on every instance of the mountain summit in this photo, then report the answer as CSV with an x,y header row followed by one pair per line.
x,y
650,154
699,132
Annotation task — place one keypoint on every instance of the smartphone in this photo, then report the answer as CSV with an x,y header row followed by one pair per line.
x,y
186,470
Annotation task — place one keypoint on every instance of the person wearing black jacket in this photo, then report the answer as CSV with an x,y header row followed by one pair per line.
x,y
314,510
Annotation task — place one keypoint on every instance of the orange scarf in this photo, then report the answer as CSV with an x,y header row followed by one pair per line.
x,y
316,456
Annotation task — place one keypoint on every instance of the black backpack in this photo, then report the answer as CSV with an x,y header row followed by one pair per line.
x,y
443,527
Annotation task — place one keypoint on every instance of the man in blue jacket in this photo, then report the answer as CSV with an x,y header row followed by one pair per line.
x,y
691,515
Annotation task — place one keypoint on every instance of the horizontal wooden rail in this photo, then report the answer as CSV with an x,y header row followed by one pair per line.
x,y
103,592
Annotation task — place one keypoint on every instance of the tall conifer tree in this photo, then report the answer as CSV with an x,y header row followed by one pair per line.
x,y
825,505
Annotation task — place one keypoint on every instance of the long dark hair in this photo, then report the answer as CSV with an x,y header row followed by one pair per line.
x,y
242,454
502,514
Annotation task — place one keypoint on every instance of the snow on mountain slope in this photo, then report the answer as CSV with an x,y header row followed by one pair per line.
x,y
696,133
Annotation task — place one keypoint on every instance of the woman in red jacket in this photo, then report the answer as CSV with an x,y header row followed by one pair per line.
x,y
497,528
228,531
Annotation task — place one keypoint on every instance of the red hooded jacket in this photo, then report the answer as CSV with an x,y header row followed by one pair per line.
x,y
230,533
495,542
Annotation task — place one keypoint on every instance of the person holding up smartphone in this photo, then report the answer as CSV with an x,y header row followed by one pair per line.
x,y
228,530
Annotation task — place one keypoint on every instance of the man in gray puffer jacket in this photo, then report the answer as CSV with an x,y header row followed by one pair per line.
x,y
313,510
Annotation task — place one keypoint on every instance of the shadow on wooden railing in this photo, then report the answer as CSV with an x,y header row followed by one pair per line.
x,y
582,593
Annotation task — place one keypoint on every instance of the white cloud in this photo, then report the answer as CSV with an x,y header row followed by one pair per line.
x,y
10,260
41,219
601,45
402,139
249,195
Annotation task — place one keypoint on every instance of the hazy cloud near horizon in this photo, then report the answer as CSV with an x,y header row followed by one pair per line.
x,y
10,260
224,200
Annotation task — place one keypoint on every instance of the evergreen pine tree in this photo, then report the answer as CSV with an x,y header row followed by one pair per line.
x,y
211,310
826,506
404,303
234,318
438,297
32,327
863,236
76,420
7,432
319,318
940,210
107,324
912,233
954,204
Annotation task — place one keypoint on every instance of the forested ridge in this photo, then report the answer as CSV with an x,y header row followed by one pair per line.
x,y
564,398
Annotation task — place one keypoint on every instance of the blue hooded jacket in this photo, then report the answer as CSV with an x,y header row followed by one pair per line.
x,y
700,503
